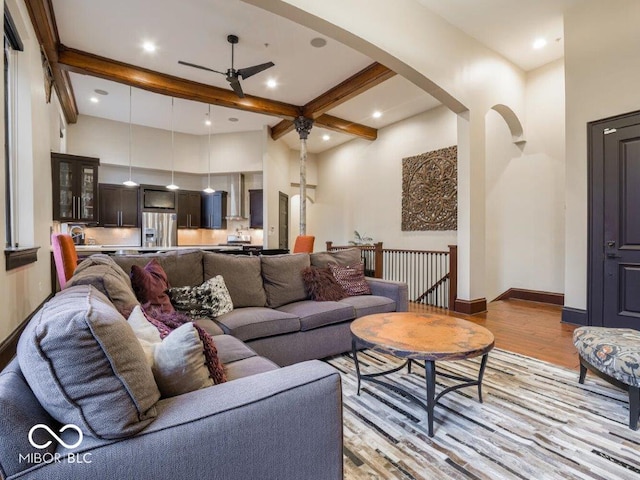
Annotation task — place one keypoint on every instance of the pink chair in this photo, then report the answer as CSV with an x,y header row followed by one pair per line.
x,y
304,244
64,256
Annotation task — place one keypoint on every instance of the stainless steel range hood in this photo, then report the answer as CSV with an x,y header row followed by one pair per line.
x,y
236,197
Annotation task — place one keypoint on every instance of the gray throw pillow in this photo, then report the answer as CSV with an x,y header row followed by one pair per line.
x,y
282,276
242,276
349,256
86,366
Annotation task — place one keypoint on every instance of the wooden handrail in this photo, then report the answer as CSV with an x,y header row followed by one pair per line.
x,y
432,288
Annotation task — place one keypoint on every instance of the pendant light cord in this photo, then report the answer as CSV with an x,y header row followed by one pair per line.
x,y
209,149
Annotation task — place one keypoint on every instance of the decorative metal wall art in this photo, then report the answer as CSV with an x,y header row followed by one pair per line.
x,y
430,190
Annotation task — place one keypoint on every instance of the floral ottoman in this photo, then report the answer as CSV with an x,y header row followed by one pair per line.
x,y
615,353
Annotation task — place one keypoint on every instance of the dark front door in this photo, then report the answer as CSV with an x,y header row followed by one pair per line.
x,y
616,250
283,221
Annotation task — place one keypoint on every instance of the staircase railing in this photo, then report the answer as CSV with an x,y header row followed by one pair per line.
x,y
431,276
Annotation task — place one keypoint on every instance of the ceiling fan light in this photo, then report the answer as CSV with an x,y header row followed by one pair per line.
x,y
173,186
129,183
208,190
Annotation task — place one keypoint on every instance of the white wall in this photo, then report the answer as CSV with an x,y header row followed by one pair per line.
x,y
23,289
151,147
360,184
525,192
602,70
275,179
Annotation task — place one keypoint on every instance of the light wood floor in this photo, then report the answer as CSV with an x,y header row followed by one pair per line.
x,y
529,328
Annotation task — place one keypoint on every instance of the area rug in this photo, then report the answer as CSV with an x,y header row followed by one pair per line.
x,y
536,422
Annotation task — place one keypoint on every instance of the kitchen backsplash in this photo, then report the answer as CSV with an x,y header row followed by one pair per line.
x,y
131,236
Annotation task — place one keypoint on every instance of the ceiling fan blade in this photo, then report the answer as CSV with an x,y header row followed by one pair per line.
x,y
200,67
250,71
235,84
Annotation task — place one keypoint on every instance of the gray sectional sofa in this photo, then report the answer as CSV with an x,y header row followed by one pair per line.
x,y
272,313
78,361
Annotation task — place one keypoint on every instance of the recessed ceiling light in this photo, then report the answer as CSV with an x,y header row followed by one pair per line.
x,y
318,42
101,92
207,122
326,137
233,119
271,83
149,47
94,99
377,114
539,43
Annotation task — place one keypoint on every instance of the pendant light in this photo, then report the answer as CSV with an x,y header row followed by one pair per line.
x,y
209,189
130,182
172,186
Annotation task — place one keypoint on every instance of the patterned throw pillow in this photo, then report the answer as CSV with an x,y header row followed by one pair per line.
x,y
211,299
351,279
321,285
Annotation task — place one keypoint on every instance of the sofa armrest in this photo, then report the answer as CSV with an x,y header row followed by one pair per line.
x,y
284,424
396,291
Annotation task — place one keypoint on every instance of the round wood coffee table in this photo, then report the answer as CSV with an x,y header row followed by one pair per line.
x,y
422,337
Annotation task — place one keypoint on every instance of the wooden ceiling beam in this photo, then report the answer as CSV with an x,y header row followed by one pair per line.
x,y
362,81
89,64
44,24
344,126
281,129
316,109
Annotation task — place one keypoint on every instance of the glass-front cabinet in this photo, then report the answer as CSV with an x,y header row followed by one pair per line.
x,y
75,188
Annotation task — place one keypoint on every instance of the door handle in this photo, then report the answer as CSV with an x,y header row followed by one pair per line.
x,y
613,255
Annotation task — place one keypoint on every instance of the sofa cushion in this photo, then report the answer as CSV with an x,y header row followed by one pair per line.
x,y
351,278
207,300
79,355
348,256
282,277
370,304
183,267
106,276
318,314
150,286
257,322
250,366
230,349
321,285
241,274
209,326
20,410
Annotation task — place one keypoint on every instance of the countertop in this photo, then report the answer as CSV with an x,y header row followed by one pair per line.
x,y
137,248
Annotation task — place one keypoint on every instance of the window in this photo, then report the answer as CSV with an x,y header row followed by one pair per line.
x,y
12,45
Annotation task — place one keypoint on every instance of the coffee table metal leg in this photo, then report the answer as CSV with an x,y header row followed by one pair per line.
x,y
355,359
430,377
483,364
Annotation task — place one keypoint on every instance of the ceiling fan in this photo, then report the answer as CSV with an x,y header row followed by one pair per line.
x,y
232,74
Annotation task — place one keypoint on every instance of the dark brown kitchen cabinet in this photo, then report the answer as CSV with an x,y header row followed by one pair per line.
x,y
189,209
214,210
75,188
118,206
255,208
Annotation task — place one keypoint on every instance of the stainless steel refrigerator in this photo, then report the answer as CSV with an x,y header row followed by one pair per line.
x,y
159,229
